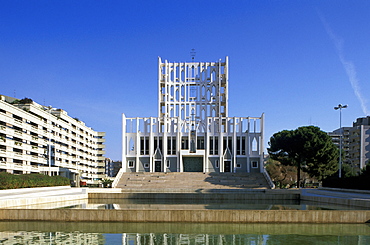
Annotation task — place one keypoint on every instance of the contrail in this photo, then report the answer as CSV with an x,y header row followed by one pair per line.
x,y
349,67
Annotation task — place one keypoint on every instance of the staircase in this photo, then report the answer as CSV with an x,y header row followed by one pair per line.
x,y
190,182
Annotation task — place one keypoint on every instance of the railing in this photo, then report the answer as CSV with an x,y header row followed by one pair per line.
x,y
18,121
18,132
117,178
268,179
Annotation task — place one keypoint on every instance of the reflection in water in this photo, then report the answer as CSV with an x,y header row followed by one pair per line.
x,y
189,204
34,237
181,233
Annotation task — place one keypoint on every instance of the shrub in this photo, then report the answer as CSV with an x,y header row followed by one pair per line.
x,y
360,182
11,181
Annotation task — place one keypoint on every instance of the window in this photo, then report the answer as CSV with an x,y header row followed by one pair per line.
x,y
254,164
217,164
146,165
168,163
238,165
131,164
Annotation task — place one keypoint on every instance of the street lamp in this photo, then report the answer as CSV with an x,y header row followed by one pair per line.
x,y
340,107
49,134
77,174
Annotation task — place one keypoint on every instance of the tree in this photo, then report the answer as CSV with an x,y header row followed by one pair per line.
x,y
106,182
22,101
308,148
282,175
347,171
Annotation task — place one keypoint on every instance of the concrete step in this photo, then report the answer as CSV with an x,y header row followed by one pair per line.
x,y
192,181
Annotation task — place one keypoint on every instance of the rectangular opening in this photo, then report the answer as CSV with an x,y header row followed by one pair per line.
x,y
254,164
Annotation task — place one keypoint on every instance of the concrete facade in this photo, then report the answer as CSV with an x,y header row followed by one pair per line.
x,y
39,139
112,167
355,143
193,132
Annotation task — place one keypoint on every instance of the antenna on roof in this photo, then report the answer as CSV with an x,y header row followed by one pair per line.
x,y
192,54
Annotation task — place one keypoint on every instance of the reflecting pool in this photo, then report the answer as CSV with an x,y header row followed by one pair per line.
x,y
181,233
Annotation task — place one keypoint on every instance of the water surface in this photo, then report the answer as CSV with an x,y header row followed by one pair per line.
x,y
181,233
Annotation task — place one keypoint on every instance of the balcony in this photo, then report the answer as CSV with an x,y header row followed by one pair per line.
x,y
101,134
102,152
101,158
17,132
18,143
101,140
2,152
17,121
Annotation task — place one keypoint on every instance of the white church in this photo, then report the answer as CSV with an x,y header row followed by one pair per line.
x,y
193,131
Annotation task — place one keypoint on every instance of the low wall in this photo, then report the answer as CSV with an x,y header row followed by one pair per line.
x,y
189,228
345,197
204,195
199,216
338,201
40,195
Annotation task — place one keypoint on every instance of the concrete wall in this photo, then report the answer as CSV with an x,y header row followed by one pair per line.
x,y
31,196
199,196
200,216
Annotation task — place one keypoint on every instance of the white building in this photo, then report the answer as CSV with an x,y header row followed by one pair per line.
x,y
39,139
193,132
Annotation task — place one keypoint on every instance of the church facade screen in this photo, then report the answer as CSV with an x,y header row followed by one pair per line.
x,y
193,132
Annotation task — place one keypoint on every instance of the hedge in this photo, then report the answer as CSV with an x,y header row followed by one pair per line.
x,y
361,182
11,181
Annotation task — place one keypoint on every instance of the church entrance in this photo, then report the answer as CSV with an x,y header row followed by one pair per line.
x,y
227,166
157,166
193,164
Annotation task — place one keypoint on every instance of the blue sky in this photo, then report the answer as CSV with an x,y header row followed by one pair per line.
x,y
292,60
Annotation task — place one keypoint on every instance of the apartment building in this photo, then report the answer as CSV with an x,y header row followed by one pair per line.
x,y
39,139
355,142
193,132
112,167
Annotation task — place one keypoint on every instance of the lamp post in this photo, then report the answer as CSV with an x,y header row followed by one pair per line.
x,y
340,107
49,146
77,174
